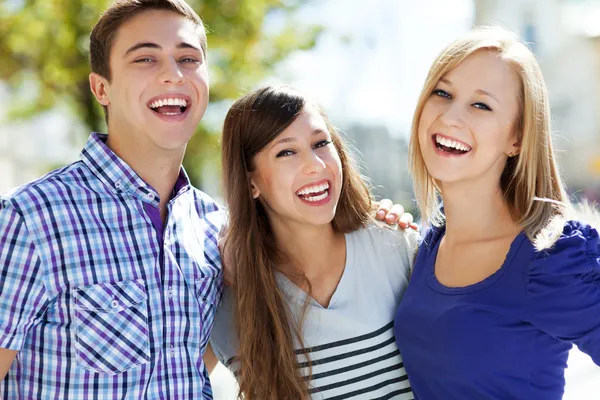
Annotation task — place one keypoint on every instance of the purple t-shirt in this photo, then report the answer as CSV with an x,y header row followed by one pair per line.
x,y
508,336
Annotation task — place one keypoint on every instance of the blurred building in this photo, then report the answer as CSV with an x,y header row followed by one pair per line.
x,y
565,36
30,148
385,161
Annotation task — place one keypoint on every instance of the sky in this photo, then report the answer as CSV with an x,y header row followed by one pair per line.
x,y
371,62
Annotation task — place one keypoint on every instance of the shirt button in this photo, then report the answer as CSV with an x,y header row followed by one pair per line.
x,y
172,352
118,184
170,292
115,303
150,196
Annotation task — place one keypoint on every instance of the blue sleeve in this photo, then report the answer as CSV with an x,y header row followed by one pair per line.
x,y
563,296
22,293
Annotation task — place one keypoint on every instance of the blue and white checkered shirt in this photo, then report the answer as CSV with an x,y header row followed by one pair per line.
x,y
100,299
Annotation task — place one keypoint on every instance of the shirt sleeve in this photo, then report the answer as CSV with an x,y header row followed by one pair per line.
x,y
223,337
563,297
398,247
22,293
413,239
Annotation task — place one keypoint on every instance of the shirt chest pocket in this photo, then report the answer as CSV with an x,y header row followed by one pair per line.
x,y
112,326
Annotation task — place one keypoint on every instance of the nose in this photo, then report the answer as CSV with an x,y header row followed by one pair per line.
x,y
313,164
453,115
171,72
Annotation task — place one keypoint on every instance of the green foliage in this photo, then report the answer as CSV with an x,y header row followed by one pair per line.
x,y
44,49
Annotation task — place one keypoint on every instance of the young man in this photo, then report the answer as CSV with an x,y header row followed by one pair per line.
x,y
109,268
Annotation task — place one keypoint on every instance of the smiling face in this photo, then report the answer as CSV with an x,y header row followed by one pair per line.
x,y
298,176
158,90
466,129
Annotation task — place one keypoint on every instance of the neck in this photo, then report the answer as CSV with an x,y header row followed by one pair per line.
x,y
309,246
157,167
476,210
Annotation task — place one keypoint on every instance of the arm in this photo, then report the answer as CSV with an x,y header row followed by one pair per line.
x,y
564,289
6,359
22,293
210,359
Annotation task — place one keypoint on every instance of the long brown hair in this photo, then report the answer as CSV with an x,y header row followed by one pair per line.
x,y
268,368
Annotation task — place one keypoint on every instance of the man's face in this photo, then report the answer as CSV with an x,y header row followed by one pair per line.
x,y
158,90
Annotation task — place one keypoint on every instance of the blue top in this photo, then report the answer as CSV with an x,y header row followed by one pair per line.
x,y
508,336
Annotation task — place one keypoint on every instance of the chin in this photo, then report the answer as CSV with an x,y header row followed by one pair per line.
x,y
450,178
443,175
442,172
173,139
323,222
323,219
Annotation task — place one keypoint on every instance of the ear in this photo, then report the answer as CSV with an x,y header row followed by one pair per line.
x,y
514,150
255,191
100,88
514,145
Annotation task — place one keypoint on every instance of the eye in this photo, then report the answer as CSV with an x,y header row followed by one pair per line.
x,y
189,60
482,106
144,60
322,143
285,153
442,93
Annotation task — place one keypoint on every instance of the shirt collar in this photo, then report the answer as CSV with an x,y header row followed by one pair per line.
x,y
183,183
118,176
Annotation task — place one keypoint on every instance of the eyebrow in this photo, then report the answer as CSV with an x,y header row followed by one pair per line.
x,y
150,45
480,91
483,92
293,139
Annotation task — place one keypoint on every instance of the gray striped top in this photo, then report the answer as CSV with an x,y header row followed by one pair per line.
x,y
350,343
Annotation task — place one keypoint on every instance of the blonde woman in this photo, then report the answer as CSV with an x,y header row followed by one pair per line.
x,y
504,282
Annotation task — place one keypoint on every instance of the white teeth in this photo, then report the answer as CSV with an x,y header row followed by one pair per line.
x,y
451,143
169,102
314,189
316,198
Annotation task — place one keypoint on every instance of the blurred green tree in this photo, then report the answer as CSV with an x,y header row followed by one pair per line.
x,y
44,51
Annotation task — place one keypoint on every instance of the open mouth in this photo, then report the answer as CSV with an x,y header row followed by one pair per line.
x,y
314,193
450,146
170,106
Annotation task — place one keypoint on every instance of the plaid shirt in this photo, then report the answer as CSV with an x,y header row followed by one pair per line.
x,y
100,299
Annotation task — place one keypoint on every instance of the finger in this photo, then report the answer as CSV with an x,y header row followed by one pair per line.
x,y
394,214
414,227
405,220
384,206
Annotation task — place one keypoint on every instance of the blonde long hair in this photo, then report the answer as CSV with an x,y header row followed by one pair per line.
x,y
530,183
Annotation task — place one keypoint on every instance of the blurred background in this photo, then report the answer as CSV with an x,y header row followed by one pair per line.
x,y
363,61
